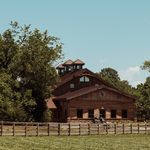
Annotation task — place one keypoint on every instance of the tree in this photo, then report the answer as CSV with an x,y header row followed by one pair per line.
x,y
27,57
112,77
146,66
143,103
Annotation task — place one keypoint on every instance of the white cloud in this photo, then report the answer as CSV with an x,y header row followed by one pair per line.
x,y
132,74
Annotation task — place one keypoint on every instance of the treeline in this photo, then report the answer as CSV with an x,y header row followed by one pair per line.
x,y
27,72
141,92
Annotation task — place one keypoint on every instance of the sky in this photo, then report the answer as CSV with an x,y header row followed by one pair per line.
x,y
102,33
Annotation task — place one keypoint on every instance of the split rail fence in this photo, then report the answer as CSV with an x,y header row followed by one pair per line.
x,y
68,129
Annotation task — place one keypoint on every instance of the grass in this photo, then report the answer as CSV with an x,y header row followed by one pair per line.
x,y
102,142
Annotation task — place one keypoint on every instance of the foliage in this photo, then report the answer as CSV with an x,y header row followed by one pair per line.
x,y
112,77
27,72
146,66
143,103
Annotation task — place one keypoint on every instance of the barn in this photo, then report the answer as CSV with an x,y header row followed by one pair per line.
x,y
81,95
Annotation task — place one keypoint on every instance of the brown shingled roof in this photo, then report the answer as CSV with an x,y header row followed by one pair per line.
x,y
86,90
68,62
71,75
79,62
60,66
50,104
77,93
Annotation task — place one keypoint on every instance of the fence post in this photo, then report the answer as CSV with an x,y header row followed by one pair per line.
x,y
123,128
115,129
106,129
48,129
25,129
79,129
138,128
145,128
37,129
58,129
131,128
98,129
2,128
13,128
88,129
69,129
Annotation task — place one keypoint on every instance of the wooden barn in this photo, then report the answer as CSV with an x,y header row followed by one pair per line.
x,y
81,96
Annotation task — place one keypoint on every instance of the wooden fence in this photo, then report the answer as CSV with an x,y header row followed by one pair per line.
x,y
49,129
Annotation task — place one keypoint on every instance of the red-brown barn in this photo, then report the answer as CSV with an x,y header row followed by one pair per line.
x,y
81,95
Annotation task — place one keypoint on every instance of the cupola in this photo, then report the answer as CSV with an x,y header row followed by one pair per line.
x,y
61,69
68,65
78,64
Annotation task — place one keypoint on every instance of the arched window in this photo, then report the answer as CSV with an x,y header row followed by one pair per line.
x,y
84,79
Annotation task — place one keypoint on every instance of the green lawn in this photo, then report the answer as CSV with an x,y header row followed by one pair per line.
x,y
106,142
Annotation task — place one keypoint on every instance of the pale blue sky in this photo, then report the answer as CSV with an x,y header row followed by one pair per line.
x,y
103,33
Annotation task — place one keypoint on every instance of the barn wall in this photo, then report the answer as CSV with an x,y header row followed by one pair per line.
x,y
102,99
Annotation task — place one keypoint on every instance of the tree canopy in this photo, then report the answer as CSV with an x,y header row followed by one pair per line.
x,y
111,76
146,65
143,103
27,72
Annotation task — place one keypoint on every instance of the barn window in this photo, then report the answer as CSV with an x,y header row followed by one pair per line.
x,y
84,79
113,113
79,113
91,113
71,85
124,113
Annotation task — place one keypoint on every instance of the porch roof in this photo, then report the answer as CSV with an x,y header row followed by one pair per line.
x,y
50,103
86,90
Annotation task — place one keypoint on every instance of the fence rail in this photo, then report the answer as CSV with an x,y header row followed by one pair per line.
x,y
49,129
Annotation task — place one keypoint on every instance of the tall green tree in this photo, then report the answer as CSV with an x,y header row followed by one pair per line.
x,y
146,65
28,57
112,77
143,103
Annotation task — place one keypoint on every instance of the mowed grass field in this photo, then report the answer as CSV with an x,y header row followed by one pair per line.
x,y
101,142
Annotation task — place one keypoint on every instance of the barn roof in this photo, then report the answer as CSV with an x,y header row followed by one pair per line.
x,y
78,62
87,90
60,66
68,62
70,75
